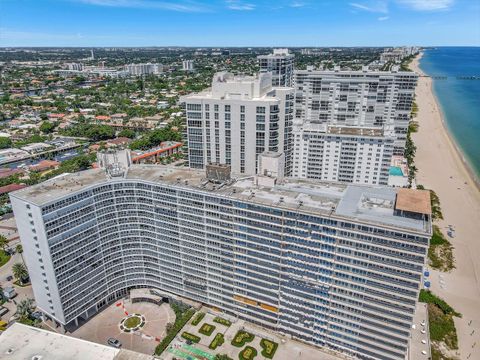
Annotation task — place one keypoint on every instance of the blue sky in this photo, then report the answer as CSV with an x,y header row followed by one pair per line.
x,y
239,22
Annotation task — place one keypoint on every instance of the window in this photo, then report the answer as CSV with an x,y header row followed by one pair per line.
x,y
260,109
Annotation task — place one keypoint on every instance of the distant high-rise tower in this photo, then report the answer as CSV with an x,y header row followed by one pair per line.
x,y
91,55
187,65
280,64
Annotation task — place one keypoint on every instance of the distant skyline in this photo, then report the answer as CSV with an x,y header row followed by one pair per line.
x,y
202,23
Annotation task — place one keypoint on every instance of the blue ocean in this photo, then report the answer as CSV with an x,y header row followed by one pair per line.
x,y
456,83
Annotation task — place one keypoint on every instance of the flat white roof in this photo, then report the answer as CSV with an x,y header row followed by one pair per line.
x,y
374,204
25,342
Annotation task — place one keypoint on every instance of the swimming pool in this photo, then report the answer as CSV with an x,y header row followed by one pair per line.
x,y
395,171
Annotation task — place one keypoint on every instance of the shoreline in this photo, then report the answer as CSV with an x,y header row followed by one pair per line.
x,y
442,168
467,167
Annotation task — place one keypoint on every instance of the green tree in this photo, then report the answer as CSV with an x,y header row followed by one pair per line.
x,y
20,271
47,127
24,310
5,143
129,133
19,249
3,242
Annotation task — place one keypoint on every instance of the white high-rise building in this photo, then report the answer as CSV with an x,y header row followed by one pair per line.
x,y
357,98
75,66
332,265
144,69
280,64
187,65
237,119
344,154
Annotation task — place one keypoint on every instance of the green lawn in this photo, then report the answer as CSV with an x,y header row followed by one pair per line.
x,y
206,329
191,337
440,319
248,353
268,348
217,341
241,338
132,322
4,257
199,317
222,321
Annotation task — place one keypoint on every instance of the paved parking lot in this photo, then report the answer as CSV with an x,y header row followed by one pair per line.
x,y
106,324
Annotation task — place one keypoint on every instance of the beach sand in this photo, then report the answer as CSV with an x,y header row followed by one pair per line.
x,y
440,168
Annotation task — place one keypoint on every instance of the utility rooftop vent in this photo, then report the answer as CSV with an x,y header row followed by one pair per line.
x,y
218,173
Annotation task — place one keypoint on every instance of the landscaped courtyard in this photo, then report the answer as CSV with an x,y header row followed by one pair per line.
x,y
207,335
137,326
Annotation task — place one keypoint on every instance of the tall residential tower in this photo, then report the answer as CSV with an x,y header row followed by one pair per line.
x,y
363,98
280,64
237,119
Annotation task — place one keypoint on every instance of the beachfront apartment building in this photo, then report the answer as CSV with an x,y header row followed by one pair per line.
x,y
342,153
280,63
357,98
237,119
337,266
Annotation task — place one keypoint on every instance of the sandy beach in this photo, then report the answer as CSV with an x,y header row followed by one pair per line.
x,y
440,168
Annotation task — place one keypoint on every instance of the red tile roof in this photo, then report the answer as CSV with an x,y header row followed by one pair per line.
x,y
44,165
9,172
12,187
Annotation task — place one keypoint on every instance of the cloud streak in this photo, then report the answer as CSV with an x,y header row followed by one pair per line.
x,y
371,6
181,6
297,4
239,5
427,5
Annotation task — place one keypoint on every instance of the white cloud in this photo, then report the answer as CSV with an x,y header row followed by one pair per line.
x,y
297,4
383,18
372,6
182,6
239,5
427,5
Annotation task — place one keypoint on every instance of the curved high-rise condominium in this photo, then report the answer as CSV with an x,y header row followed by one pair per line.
x,y
332,265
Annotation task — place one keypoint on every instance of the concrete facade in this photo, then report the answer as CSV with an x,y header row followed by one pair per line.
x,y
357,98
280,64
237,119
332,265
344,154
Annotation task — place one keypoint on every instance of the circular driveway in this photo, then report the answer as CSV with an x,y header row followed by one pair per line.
x,y
106,325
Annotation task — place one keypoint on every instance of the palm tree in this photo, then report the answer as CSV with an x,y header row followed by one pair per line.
x,y
24,309
19,249
3,242
20,271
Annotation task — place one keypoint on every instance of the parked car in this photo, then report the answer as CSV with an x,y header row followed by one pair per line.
x,y
114,342
9,293
37,315
3,310
3,325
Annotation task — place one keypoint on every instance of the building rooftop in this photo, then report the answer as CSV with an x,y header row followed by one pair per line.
x,y
356,202
350,130
24,342
227,86
416,201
